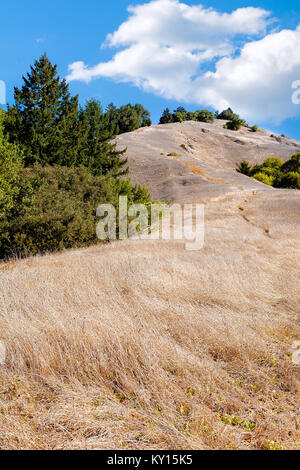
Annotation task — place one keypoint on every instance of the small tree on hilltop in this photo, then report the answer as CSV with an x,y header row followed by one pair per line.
x,y
235,124
227,115
143,115
204,116
167,117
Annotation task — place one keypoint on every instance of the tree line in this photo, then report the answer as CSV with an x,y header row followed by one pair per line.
x,y
180,114
58,162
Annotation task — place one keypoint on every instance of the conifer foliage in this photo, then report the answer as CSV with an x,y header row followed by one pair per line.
x,y
46,121
44,116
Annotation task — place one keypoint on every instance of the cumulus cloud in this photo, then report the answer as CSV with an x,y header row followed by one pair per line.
x,y
205,57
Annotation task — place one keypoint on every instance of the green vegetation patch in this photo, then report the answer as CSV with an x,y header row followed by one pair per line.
x,y
274,172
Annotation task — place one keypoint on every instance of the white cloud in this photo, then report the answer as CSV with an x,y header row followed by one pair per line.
x,y
167,48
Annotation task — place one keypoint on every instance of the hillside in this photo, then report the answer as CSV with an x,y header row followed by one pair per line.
x,y
209,154
144,345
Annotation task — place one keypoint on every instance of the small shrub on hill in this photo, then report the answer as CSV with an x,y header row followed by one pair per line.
x,y
174,154
274,172
264,178
235,124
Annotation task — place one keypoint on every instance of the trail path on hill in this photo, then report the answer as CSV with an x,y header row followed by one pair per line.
x,y
205,171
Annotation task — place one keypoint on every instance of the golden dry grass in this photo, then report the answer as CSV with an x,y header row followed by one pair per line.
x,y
143,345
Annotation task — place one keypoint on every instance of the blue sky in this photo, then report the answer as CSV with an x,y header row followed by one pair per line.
x,y
73,31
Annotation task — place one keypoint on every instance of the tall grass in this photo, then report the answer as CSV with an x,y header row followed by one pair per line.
x,y
143,345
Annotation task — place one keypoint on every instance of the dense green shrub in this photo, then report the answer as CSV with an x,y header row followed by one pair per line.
x,y
56,209
179,117
272,162
244,168
289,180
235,124
10,165
292,165
264,178
204,116
254,128
174,154
274,172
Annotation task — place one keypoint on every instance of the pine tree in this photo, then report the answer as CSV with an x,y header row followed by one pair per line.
x,y
43,119
143,115
166,117
98,153
128,119
47,123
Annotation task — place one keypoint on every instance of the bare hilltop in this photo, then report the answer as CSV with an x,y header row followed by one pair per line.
x,y
196,162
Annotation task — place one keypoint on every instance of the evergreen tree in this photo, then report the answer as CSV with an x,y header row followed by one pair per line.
x,y
143,115
166,117
180,110
98,154
112,117
127,119
44,117
227,115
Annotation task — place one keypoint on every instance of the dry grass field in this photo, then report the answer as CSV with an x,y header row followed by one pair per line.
x,y
144,345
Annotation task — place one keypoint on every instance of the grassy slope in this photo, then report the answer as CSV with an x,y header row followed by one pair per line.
x,y
146,345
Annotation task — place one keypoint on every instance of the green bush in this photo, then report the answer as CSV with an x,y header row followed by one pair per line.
x,y
254,128
292,165
273,162
264,178
274,172
244,168
289,180
127,118
10,165
174,154
179,117
235,124
56,209
204,116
